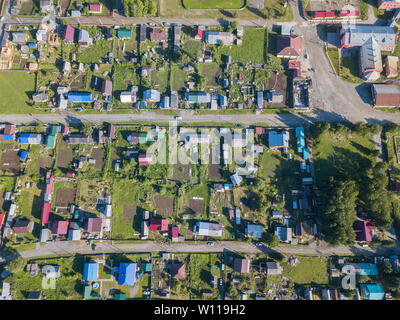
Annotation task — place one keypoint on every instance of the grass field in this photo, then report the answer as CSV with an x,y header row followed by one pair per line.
x,y
308,270
349,69
334,56
193,48
212,4
160,80
96,51
124,75
178,78
17,86
253,47
335,152
210,72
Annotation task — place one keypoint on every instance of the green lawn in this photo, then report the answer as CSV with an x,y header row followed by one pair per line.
x,y
178,78
124,76
160,80
308,270
210,72
15,91
124,192
193,48
350,71
212,4
96,51
253,47
334,56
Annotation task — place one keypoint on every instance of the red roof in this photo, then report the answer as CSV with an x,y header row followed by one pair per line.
x,y
349,13
2,215
288,46
9,129
46,212
95,7
50,186
93,224
145,159
363,228
330,13
260,130
319,14
175,232
294,64
70,174
65,129
159,225
178,271
231,214
198,32
69,34
59,227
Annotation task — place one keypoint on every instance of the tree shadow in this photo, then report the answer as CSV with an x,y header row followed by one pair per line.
x,y
257,12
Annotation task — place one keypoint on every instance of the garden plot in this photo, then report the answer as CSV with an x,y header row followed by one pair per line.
x,y
215,172
44,163
164,205
64,155
64,198
181,172
98,155
210,72
196,206
10,160
278,82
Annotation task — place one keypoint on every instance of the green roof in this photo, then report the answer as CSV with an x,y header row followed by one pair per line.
x,y
124,33
51,141
120,296
86,292
144,137
147,267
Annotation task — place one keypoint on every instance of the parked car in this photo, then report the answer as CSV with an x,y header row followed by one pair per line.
x,y
258,244
220,282
178,118
210,243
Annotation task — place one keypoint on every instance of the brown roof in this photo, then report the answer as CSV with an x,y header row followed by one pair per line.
x,y
158,35
107,87
178,271
387,99
391,66
288,46
241,265
93,224
23,226
9,129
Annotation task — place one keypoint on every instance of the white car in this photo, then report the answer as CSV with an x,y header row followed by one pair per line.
x,y
210,243
258,244
178,118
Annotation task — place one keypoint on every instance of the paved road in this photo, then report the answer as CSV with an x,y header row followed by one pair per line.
x,y
71,248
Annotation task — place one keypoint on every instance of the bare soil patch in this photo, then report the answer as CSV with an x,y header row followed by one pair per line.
x,y
165,205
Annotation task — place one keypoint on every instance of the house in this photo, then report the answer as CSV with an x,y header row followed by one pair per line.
x,y
284,234
174,100
51,138
277,214
288,47
208,229
197,97
68,36
74,234
145,159
198,33
106,88
9,129
178,271
22,226
127,274
45,5
30,138
357,35
84,39
59,227
124,33
385,95
177,38
79,139
241,265
388,4
370,60
363,229
274,268
19,37
51,272
274,96
257,4
145,228
126,97
95,8
142,33
111,131
80,97
40,97
93,225
90,271
151,95
158,224
254,230
372,291
174,233
236,179
75,13
158,35
391,69
41,35
278,140
165,102
216,37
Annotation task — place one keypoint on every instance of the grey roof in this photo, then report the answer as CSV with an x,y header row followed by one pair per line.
x,y
19,37
84,37
209,229
357,35
386,89
254,230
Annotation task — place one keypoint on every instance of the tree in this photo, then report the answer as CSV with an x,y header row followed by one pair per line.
x,y
17,265
338,211
385,268
271,240
87,129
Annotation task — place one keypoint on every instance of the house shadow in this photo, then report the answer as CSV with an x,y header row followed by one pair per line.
x,y
364,91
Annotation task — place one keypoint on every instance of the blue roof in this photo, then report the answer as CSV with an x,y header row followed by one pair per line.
x,y
368,269
31,44
373,291
294,204
306,153
90,271
24,154
127,272
8,137
276,139
260,97
79,97
300,138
